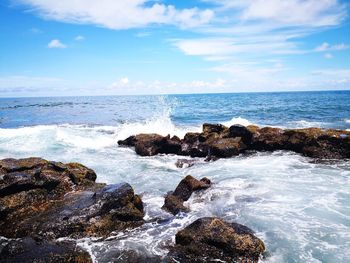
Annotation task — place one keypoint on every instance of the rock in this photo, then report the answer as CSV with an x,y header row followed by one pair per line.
x,y
226,147
182,163
210,128
268,139
241,131
218,141
29,250
174,200
211,239
49,200
153,144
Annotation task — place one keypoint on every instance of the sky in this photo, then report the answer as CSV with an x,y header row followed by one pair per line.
x,y
127,47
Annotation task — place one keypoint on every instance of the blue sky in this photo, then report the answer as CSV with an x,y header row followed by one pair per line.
x,y
86,47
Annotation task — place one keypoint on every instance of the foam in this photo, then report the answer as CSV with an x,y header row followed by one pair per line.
x,y
306,124
237,120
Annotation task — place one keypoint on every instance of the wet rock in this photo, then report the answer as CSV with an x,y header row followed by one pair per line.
x,y
227,147
212,239
184,163
268,139
29,250
210,128
130,256
241,131
152,144
218,141
49,200
174,200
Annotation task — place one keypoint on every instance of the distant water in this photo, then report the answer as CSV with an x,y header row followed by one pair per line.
x,y
300,209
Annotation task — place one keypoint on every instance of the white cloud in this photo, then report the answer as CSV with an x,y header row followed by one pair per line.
x,y
296,12
124,80
120,14
327,47
328,55
286,13
219,48
79,38
56,43
263,28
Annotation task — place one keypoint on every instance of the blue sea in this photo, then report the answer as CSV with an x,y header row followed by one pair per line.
x,y
299,208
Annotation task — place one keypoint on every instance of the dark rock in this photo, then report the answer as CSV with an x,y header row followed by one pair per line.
x,y
210,128
29,250
130,141
212,239
45,199
174,200
218,141
241,131
268,139
129,256
152,144
226,147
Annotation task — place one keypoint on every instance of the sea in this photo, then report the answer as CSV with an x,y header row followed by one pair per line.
x,y
298,207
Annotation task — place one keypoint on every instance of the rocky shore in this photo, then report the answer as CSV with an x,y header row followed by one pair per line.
x,y
218,141
42,202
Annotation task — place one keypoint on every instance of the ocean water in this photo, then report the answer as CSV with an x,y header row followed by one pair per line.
x,y
300,209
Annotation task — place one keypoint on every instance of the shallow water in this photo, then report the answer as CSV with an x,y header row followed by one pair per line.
x,y
300,209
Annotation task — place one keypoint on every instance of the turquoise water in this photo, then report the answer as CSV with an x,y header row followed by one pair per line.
x,y
299,208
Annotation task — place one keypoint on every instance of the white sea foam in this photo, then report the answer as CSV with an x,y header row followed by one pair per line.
x,y
347,120
299,208
160,124
238,120
305,124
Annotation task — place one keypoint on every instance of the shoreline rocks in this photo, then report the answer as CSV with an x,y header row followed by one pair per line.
x,y
219,141
29,250
51,200
42,201
211,239
173,202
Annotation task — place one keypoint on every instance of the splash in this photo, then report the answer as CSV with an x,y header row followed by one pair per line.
x,y
238,120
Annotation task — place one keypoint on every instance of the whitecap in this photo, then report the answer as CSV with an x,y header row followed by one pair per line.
x,y
238,120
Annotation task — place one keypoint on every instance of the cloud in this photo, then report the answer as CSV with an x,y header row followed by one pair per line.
x,y
121,14
328,55
124,80
327,47
296,12
55,43
220,48
79,38
260,28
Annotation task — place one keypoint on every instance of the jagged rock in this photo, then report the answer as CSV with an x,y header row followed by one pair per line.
x,y
210,128
241,131
152,144
211,239
46,199
218,141
31,251
174,200
227,147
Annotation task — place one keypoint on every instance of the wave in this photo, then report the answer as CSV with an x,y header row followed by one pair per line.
x,y
306,124
238,120
347,120
42,138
